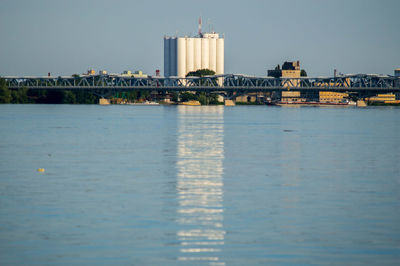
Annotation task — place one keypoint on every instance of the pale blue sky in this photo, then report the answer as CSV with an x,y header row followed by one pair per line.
x,y
67,37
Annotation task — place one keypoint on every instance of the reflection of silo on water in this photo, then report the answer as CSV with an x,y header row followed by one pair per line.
x,y
200,154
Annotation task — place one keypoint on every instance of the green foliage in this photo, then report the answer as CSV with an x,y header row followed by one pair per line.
x,y
86,98
132,96
20,96
174,97
213,99
187,96
120,94
201,73
69,97
145,95
63,97
303,73
24,95
202,98
5,94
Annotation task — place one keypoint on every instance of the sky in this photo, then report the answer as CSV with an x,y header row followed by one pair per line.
x,y
67,37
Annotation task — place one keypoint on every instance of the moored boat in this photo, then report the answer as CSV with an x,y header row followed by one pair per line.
x,y
146,103
312,104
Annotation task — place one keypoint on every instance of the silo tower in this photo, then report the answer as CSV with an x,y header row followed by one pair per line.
x,y
185,54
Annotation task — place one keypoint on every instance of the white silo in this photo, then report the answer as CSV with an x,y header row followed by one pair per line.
x,y
213,54
197,53
167,55
173,57
183,55
189,55
205,53
220,56
181,59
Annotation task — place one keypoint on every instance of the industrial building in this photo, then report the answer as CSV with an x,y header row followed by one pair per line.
x,y
185,54
136,74
289,70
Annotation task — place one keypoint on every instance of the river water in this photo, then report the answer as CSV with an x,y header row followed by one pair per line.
x,y
188,185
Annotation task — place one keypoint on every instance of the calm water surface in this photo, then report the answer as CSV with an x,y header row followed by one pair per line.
x,y
168,185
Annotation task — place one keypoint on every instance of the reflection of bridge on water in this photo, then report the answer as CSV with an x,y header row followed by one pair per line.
x,y
103,84
200,155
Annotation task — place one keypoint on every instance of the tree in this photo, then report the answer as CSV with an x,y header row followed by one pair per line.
x,y
86,97
132,96
202,98
5,94
201,73
213,99
174,96
69,97
187,96
20,96
38,96
144,95
303,73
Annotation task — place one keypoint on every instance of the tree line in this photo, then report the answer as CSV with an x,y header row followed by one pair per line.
x,y
24,95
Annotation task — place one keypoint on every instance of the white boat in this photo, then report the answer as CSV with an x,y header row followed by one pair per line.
x,y
146,103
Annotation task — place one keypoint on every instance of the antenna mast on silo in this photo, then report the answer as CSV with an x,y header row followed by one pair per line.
x,y
200,34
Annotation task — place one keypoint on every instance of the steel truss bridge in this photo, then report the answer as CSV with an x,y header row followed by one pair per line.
x,y
104,85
